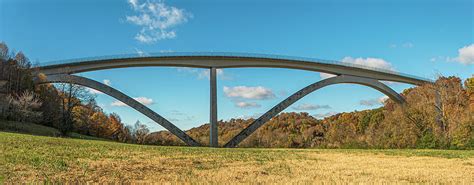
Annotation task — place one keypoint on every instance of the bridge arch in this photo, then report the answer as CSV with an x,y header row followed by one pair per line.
x,y
61,71
375,84
65,78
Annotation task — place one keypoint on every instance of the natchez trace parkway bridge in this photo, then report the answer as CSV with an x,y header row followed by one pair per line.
x,y
62,72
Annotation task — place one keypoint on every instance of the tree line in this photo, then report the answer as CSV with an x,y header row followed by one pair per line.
x,y
66,107
438,115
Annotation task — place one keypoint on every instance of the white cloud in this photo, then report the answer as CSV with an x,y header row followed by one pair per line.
x,y
203,73
323,115
156,19
118,104
186,118
408,45
369,102
107,82
369,62
247,105
174,119
142,100
253,116
439,58
326,75
245,92
93,91
374,102
206,73
133,3
466,55
383,99
307,106
390,83
405,45
141,53
187,69
181,116
166,51
177,113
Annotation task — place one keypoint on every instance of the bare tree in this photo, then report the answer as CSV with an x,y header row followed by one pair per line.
x,y
140,132
72,96
4,52
24,106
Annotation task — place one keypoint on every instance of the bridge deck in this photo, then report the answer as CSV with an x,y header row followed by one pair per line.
x,y
225,60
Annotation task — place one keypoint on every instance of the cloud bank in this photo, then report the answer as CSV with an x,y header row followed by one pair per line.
x,y
245,92
142,100
307,106
246,105
323,115
93,91
466,55
373,102
368,62
156,19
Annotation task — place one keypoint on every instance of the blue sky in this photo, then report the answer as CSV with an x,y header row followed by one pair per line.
x,y
423,38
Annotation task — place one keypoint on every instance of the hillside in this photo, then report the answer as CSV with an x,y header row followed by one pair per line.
x,y
28,128
26,158
39,130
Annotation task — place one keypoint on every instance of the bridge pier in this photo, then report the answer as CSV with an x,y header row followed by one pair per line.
x,y
213,140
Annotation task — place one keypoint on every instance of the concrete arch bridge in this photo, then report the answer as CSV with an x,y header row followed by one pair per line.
x,y
63,72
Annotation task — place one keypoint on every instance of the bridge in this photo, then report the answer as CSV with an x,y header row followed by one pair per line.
x,y
63,72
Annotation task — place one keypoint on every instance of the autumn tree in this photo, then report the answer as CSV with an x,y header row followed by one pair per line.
x,y
72,96
117,129
51,103
139,133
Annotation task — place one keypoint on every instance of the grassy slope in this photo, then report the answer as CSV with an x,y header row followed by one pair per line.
x,y
39,130
38,158
28,128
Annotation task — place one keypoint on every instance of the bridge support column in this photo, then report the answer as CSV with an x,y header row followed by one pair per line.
x,y
213,108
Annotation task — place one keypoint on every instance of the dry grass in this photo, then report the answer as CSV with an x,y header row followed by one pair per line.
x,y
25,158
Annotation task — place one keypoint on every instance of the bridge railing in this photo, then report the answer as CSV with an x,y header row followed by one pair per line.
x,y
228,54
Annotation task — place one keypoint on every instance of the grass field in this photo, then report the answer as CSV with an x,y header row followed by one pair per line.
x,y
26,158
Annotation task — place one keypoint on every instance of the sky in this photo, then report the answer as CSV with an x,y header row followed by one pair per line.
x,y
423,38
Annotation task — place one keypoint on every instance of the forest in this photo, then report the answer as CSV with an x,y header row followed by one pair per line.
x,y
438,115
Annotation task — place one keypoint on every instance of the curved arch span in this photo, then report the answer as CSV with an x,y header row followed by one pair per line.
x,y
64,78
307,90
